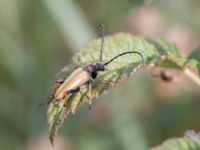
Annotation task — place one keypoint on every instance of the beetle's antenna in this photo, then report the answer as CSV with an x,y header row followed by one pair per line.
x,y
129,52
101,28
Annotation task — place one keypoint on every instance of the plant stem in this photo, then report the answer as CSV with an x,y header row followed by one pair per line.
x,y
194,77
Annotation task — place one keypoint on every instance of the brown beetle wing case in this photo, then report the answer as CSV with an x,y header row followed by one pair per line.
x,y
77,78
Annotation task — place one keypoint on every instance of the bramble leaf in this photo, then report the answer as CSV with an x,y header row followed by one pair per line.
x,y
117,71
188,142
158,53
164,46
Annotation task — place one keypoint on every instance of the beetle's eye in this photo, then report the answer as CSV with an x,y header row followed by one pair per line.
x,y
102,68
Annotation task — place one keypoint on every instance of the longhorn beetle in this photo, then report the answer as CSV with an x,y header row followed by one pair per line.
x,y
84,76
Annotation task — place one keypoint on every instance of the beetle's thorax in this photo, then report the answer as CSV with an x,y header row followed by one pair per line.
x,y
93,69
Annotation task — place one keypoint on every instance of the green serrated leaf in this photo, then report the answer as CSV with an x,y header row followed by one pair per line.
x,y
185,143
170,58
114,45
117,71
55,116
194,60
171,61
121,68
164,46
166,55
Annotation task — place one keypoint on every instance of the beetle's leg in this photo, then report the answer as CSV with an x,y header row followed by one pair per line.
x,y
89,95
67,93
72,91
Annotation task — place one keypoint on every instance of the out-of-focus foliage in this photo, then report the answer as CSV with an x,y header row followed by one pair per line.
x,y
35,43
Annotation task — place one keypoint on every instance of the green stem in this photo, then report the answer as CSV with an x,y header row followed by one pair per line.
x,y
194,77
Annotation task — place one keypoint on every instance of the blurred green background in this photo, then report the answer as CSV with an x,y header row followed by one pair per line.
x,y
37,38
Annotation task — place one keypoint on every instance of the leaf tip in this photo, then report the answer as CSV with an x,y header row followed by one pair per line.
x,y
51,138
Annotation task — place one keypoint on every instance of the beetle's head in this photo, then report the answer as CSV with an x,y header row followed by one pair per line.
x,y
100,67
